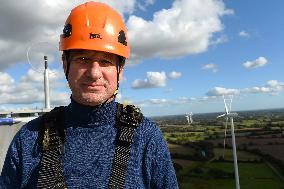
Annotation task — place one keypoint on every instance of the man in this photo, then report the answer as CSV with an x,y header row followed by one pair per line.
x,y
92,151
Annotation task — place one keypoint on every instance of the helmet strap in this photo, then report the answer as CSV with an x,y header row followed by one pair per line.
x,y
67,57
117,79
119,65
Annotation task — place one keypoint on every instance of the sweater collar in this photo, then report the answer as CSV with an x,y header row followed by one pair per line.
x,y
104,114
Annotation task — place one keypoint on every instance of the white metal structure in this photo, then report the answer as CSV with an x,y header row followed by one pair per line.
x,y
189,118
46,84
37,55
229,115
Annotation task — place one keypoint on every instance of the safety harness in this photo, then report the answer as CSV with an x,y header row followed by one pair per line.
x,y
52,138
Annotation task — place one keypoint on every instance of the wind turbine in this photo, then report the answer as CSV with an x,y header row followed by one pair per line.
x,y
189,118
229,115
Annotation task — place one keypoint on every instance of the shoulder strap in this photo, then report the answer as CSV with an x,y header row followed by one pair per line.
x,y
52,136
128,119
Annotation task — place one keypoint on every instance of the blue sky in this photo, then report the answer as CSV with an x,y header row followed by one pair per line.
x,y
186,54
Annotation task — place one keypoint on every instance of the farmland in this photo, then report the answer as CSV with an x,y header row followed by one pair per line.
x,y
201,161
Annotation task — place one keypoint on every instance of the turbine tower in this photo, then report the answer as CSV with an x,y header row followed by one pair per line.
x,y
189,118
229,115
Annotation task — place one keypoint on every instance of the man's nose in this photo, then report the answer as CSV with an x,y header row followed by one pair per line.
x,y
94,70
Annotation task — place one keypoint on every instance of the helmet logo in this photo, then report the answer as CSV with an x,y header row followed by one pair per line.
x,y
122,38
95,36
67,31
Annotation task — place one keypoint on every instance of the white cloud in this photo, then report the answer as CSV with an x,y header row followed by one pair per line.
x,y
220,91
257,90
211,98
149,2
33,76
26,21
158,101
26,97
185,28
183,100
153,80
6,82
244,34
274,83
143,6
59,98
29,90
174,75
210,66
162,102
5,79
259,62
219,40
272,87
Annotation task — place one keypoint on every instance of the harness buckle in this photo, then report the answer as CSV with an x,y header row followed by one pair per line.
x,y
46,139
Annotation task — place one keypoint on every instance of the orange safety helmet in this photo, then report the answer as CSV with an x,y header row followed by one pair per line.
x,y
95,26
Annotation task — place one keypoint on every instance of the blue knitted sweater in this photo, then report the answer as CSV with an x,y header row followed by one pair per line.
x,y
89,152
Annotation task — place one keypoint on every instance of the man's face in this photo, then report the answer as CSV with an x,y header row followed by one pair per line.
x,y
92,76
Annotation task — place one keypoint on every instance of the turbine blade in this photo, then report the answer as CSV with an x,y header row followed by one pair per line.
x,y
226,108
231,101
221,115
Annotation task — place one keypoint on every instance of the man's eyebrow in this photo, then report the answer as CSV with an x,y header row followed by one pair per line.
x,y
78,53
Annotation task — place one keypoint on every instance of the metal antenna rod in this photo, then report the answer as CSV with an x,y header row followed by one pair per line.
x,y
46,84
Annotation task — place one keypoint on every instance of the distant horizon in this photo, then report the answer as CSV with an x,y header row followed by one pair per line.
x,y
219,112
212,112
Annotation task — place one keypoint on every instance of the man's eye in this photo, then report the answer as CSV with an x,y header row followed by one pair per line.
x,y
81,59
106,62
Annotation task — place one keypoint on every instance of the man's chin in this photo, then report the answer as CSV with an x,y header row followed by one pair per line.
x,y
94,99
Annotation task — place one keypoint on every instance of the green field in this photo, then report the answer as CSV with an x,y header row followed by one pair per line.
x,y
252,176
242,155
184,137
174,148
220,175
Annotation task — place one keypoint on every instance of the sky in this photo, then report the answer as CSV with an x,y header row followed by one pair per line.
x,y
185,54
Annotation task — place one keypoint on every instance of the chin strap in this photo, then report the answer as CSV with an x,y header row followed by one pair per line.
x,y
118,69
117,80
66,57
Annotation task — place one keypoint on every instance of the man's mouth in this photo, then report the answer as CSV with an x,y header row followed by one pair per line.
x,y
93,86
